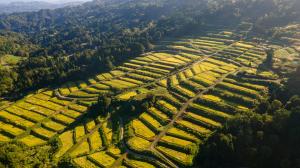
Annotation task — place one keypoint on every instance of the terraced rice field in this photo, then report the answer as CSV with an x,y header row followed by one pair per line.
x,y
204,89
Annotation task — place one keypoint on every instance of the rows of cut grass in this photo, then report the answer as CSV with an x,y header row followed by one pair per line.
x,y
139,62
59,101
32,141
54,126
81,84
247,85
234,97
141,129
72,87
193,128
83,148
156,70
196,69
173,61
184,48
200,120
93,90
82,94
127,95
15,120
119,84
71,113
77,107
4,138
158,115
148,73
46,104
184,59
173,80
215,100
162,66
204,80
172,100
220,71
137,164
10,130
79,132
132,81
42,96
95,141
193,86
179,157
101,86
63,119
163,83
64,90
177,143
92,81
132,65
66,140
190,56
106,131
150,122
167,106
43,133
83,162
183,91
223,105
209,112
140,77
101,159
239,89
138,144
89,125
179,133
26,114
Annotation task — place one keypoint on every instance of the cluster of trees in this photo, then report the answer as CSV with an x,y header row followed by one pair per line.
x,y
16,154
15,44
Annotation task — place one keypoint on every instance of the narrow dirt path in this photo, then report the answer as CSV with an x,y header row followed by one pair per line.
x,y
128,151
187,66
183,110
37,124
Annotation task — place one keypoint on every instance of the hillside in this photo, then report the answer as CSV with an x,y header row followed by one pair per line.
x,y
134,83
79,40
205,84
15,7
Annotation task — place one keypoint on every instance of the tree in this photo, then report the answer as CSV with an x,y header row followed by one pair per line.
x,y
293,102
7,81
103,104
275,105
294,82
269,60
16,154
263,107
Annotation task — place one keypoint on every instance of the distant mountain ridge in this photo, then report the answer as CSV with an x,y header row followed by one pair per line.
x,y
20,6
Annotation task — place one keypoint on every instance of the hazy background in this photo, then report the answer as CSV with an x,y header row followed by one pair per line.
x,y
50,1
14,6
